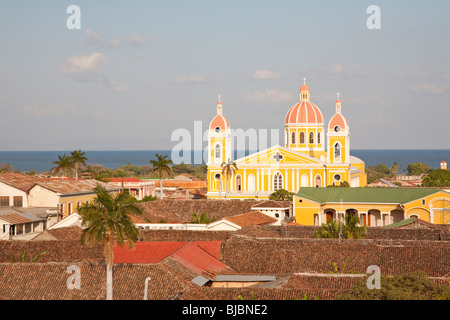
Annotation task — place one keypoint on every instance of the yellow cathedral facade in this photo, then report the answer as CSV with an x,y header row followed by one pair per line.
x,y
312,155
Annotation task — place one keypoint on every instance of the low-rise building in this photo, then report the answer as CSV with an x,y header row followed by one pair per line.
x,y
373,206
138,188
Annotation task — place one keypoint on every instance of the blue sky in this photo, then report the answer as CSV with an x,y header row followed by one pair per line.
x,y
138,70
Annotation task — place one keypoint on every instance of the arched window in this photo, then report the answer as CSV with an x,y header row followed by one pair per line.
x,y
311,137
337,151
217,151
238,183
318,137
293,138
277,181
318,181
302,137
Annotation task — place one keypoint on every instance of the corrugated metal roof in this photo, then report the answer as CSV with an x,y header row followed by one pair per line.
x,y
22,215
73,186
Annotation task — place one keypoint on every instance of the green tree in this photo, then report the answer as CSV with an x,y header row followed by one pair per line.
x,y
413,286
161,168
228,169
201,219
352,228
394,169
62,165
281,195
437,178
330,229
78,159
417,169
106,220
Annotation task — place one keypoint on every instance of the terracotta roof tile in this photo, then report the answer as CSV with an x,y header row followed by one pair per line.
x,y
251,219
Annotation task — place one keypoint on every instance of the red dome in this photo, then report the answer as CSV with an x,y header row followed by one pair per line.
x,y
304,88
338,120
219,121
304,112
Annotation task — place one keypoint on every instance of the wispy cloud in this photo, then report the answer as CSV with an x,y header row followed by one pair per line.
x,y
136,40
96,39
266,75
337,69
83,65
49,111
426,88
87,68
270,95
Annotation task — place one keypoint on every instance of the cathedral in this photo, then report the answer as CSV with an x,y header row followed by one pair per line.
x,y
312,155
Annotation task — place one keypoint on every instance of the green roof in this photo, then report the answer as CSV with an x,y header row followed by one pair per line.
x,y
365,195
400,223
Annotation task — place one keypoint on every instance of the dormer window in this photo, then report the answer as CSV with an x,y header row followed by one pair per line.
x,y
217,129
337,128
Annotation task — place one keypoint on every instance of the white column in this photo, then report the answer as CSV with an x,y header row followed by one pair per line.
x,y
257,179
311,178
269,180
245,181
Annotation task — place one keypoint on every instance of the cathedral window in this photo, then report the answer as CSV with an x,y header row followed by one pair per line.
x,y
318,137
217,129
311,137
277,181
302,137
217,151
337,151
238,183
318,181
293,138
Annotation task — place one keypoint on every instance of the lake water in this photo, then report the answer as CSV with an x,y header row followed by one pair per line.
x,y
42,160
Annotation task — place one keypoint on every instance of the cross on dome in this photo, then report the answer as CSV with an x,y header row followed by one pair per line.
x,y
304,80
219,97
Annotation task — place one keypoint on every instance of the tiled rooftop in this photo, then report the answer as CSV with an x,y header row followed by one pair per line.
x,y
251,219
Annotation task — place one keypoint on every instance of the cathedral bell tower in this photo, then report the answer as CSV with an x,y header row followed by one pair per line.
x,y
338,137
219,138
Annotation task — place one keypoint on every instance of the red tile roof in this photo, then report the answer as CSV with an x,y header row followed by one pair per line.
x,y
198,260
146,252
251,219
199,256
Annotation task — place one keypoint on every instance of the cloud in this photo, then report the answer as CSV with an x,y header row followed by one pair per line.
x,y
83,65
426,88
336,69
266,75
271,95
136,40
87,68
196,79
113,85
94,38
49,111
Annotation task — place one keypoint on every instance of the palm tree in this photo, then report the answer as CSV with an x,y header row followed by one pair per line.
x,y
330,229
78,159
228,169
161,168
351,229
62,165
106,220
